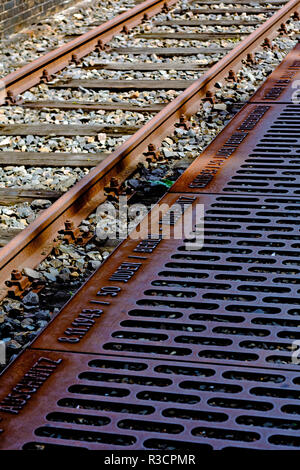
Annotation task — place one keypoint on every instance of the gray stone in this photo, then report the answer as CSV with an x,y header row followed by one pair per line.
x,y
167,153
50,276
13,344
43,315
31,299
31,273
64,275
94,264
40,204
24,212
220,106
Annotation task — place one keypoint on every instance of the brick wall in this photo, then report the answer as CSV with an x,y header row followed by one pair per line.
x,y
16,14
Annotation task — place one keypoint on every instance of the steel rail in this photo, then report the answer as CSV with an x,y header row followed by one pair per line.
x,y
42,68
35,242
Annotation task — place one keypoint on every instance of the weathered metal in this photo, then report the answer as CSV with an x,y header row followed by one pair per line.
x,y
57,400
35,242
160,298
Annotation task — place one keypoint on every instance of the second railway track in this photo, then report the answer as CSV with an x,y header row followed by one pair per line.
x,y
174,347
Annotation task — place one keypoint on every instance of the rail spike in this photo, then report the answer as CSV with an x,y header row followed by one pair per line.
x,y
184,122
73,235
209,97
152,154
46,77
267,44
165,8
232,77
283,29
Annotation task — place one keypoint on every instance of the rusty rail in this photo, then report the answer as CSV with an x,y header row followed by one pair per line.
x,y
35,242
52,62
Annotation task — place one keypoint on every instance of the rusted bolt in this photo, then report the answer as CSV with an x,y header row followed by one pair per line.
x,y
183,122
100,46
10,97
69,224
75,59
16,275
165,8
232,76
283,30
250,59
70,232
46,77
210,97
152,154
267,44
114,187
18,284
114,182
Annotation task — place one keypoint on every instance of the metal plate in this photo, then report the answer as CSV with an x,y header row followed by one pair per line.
x,y
171,348
258,153
100,402
281,86
235,301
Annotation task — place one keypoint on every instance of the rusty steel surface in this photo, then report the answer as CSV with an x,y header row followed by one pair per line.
x,y
231,302
31,246
283,85
257,153
61,401
54,61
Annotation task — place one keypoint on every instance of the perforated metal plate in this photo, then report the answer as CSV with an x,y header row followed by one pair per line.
x,y
283,85
100,402
234,301
257,153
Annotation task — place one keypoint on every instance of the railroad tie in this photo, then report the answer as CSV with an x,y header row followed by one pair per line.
x,y
123,85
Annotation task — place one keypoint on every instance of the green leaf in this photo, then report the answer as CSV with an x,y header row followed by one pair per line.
x,y
165,182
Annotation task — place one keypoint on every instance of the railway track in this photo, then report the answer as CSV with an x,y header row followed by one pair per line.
x,y
249,192
170,347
